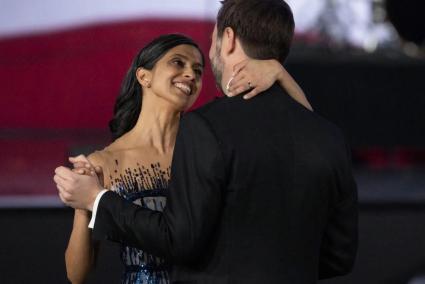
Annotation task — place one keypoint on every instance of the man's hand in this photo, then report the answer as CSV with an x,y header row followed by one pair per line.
x,y
75,190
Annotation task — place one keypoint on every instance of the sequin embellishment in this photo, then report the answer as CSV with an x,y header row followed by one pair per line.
x,y
144,186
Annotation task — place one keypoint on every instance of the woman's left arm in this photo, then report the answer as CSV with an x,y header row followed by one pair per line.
x,y
257,76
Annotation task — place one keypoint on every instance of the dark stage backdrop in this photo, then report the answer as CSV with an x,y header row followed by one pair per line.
x,y
33,243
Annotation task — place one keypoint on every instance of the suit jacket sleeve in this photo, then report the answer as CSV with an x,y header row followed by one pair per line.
x,y
340,241
194,200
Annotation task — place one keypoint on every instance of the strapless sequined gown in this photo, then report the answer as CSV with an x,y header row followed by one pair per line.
x,y
145,187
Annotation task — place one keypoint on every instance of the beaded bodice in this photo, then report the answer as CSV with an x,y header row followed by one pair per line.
x,y
146,187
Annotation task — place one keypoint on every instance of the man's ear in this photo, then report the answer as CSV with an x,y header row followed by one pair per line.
x,y
228,41
143,77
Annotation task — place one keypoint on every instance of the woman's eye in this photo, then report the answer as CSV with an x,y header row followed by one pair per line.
x,y
178,62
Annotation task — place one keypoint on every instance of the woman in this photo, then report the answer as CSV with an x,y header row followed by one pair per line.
x,y
163,81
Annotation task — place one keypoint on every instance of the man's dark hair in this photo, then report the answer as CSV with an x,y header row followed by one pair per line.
x,y
264,27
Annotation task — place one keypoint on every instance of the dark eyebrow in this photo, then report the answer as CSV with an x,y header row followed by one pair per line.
x,y
187,58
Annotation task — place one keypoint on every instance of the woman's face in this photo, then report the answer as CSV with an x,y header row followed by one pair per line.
x,y
177,76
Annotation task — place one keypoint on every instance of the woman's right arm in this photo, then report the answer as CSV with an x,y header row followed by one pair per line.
x,y
257,76
81,252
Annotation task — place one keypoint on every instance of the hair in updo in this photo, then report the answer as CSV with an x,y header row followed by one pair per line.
x,y
129,101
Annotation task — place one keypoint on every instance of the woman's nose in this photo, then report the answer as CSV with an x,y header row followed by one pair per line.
x,y
189,74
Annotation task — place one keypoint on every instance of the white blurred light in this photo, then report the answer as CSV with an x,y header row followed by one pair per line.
x,y
306,13
25,16
344,21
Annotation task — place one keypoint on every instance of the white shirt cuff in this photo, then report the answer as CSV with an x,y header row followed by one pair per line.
x,y
94,211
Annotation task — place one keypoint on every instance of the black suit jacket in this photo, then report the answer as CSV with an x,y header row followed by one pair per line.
x,y
261,192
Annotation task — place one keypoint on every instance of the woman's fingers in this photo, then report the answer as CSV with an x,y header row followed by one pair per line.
x,y
236,79
84,171
240,84
79,158
251,94
78,165
238,67
80,161
82,165
241,89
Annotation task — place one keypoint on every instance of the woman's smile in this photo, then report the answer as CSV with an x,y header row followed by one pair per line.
x,y
184,87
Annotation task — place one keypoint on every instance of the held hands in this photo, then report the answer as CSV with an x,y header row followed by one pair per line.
x,y
83,166
76,188
254,76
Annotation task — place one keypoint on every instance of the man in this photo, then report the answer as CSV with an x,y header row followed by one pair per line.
x,y
261,191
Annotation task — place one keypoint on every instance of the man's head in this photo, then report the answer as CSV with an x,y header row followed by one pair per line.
x,y
260,29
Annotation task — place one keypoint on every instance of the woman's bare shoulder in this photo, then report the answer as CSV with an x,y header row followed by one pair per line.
x,y
96,158
100,157
106,155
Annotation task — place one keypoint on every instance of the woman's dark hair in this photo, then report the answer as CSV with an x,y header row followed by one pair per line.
x,y
129,102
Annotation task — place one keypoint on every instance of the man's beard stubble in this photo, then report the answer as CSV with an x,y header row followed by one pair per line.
x,y
217,68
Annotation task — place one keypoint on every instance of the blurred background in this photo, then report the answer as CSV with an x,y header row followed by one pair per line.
x,y
360,62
